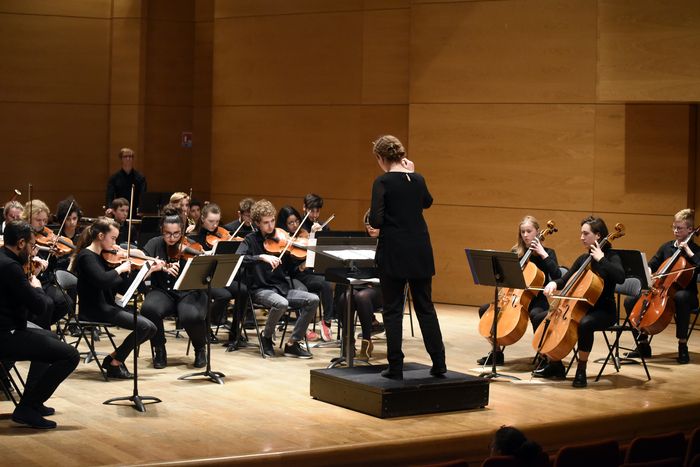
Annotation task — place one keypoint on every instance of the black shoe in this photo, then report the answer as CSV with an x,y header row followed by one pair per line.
x,y
487,360
552,370
200,357
268,346
44,411
295,350
31,418
580,380
438,370
643,350
377,328
160,357
116,372
683,355
391,373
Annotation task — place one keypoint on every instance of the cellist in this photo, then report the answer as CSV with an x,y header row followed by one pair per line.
x,y
685,299
546,261
608,267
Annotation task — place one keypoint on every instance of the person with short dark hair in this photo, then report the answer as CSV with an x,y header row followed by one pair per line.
x,y
509,441
119,184
51,360
313,204
119,211
243,218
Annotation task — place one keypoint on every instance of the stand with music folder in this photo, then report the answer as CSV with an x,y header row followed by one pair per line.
x,y
137,399
497,269
348,261
205,272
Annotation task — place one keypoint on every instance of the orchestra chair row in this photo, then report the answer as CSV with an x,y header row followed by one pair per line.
x,y
8,384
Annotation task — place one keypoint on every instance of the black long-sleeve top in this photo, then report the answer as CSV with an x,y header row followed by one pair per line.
x,y
157,248
245,230
667,250
18,298
549,266
260,274
610,270
403,249
119,186
97,284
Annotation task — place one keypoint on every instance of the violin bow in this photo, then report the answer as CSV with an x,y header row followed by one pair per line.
x,y
131,216
60,229
234,233
291,240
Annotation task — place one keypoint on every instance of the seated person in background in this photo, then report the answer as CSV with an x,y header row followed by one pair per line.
x,y
313,204
11,212
509,441
243,218
71,229
119,211
51,360
195,219
270,284
181,201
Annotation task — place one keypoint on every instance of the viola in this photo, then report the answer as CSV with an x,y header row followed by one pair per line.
x,y
60,245
557,336
513,305
280,241
184,249
119,255
220,234
656,306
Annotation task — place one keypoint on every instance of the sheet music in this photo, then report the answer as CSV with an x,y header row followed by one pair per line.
x,y
646,269
122,302
178,283
369,280
351,254
310,254
235,271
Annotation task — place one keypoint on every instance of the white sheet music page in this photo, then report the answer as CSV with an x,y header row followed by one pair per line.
x,y
351,254
235,271
310,255
122,302
178,283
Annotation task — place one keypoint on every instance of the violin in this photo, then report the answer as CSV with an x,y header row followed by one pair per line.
x,y
221,234
184,249
118,255
60,245
280,241
513,306
558,335
656,306
32,266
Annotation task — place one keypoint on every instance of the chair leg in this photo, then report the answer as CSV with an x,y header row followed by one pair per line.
x,y
571,363
692,326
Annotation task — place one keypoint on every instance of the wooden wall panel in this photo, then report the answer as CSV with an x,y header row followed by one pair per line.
x,y
54,59
506,155
129,9
290,151
292,59
236,8
127,61
647,50
506,51
641,158
76,8
166,163
126,130
170,60
385,57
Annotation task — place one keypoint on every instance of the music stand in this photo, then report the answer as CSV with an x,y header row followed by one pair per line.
x,y
497,269
205,272
137,399
342,260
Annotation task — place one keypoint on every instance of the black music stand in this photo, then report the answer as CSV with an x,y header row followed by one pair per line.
x,y
349,271
497,269
137,399
205,272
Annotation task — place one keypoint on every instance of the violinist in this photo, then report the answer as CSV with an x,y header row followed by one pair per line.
x,y
313,205
607,265
546,261
60,304
270,284
119,211
52,361
119,184
685,299
162,300
181,201
243,218
195,219
97,285
11,212
71,214
211,216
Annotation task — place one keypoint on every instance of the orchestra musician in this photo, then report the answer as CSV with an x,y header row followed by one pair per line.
x,y
404,253
119,184
71,229
313,205
195,215
685,299
270,285
608,266
119,211
11,212
243,218
162,300
97,285
181,201
52,361
546,261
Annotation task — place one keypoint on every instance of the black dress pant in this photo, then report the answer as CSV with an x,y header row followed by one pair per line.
x,y
393,296
365,302
190,307
684,301
125,319
51,361
597,319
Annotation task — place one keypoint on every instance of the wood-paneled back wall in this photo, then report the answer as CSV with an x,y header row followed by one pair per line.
x,y
553,108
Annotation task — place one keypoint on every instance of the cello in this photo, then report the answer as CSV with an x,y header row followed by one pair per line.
x,y
656,306
557,336
513,303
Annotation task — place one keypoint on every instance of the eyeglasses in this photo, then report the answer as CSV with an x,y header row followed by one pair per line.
x,y
172,234
293,222
679,228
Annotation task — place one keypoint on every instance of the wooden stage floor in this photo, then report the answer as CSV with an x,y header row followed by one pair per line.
x,y
263,414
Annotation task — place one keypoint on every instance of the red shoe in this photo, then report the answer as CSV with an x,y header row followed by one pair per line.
x,y
326,333
311,336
